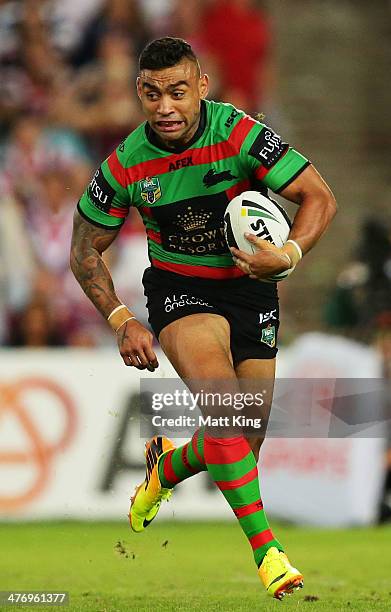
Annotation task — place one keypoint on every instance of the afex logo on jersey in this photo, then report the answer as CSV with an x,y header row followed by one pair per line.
x,y
183,162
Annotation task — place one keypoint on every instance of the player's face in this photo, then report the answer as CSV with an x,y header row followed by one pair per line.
x,y
170,99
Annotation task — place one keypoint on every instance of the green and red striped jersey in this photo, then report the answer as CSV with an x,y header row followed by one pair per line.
x,y
182,194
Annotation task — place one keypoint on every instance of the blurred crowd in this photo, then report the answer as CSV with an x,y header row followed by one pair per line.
x,y
67,98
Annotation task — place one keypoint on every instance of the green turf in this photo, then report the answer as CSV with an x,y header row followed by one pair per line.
x,y
193,566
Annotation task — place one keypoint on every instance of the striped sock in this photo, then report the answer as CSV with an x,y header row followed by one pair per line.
x,y
231,464
181,463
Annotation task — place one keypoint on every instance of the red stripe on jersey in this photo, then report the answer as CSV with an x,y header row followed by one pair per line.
x,y
155,167
200,271
237,189
117,169
194,442
202,155
225,450
228,485
249,509
146,210
121,213
261,539
168,470
261,172
241,130
155,236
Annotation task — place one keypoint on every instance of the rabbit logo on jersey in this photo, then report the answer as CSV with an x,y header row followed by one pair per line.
x,y
181,300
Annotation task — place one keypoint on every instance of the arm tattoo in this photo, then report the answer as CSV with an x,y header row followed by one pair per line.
x,y
88,243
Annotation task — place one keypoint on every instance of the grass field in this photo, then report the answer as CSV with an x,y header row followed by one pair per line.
x,y
194,566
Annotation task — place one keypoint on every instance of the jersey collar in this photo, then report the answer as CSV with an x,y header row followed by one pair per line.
x,y
154,139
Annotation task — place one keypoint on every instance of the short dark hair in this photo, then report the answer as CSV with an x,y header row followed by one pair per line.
x,y
164,53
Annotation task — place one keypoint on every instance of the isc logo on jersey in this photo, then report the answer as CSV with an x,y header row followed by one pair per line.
x,y
255,213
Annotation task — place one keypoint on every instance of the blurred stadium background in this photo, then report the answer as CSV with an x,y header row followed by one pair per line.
x,y
69,440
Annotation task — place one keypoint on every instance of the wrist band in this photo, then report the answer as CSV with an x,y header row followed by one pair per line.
x,y
123,323
119,316
115,310
300,252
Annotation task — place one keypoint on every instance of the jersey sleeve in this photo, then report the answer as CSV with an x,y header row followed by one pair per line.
x,y
106,201
271,160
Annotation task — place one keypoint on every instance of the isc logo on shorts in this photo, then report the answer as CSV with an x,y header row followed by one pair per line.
x,y
184,299
267,316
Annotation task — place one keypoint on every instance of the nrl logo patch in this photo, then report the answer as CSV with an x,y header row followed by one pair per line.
x,y
269,335
150,189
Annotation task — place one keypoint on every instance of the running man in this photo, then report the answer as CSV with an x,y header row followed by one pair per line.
x,y
180,169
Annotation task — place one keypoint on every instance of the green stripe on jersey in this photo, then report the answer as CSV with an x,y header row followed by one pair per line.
x,y
192,181
150,223
285,169
92,213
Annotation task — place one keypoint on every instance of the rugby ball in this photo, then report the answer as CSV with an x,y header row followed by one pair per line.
x,y
257,214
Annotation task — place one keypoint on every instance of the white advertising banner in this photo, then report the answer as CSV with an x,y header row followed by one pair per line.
x,y
70,447
70,443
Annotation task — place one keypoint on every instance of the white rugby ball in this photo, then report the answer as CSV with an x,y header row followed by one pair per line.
x,y
257,214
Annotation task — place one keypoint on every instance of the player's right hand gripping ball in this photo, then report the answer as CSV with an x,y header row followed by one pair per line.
x,y
256,214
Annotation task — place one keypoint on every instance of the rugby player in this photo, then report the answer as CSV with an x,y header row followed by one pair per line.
x,y
180,169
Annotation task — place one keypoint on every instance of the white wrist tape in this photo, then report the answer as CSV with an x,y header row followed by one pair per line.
x,y
288,258
123,323
120,315
298,248
115,310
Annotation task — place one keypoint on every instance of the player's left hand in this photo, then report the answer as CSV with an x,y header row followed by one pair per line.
x,y
268,259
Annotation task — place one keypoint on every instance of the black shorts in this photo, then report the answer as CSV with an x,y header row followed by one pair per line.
x,y
250,307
